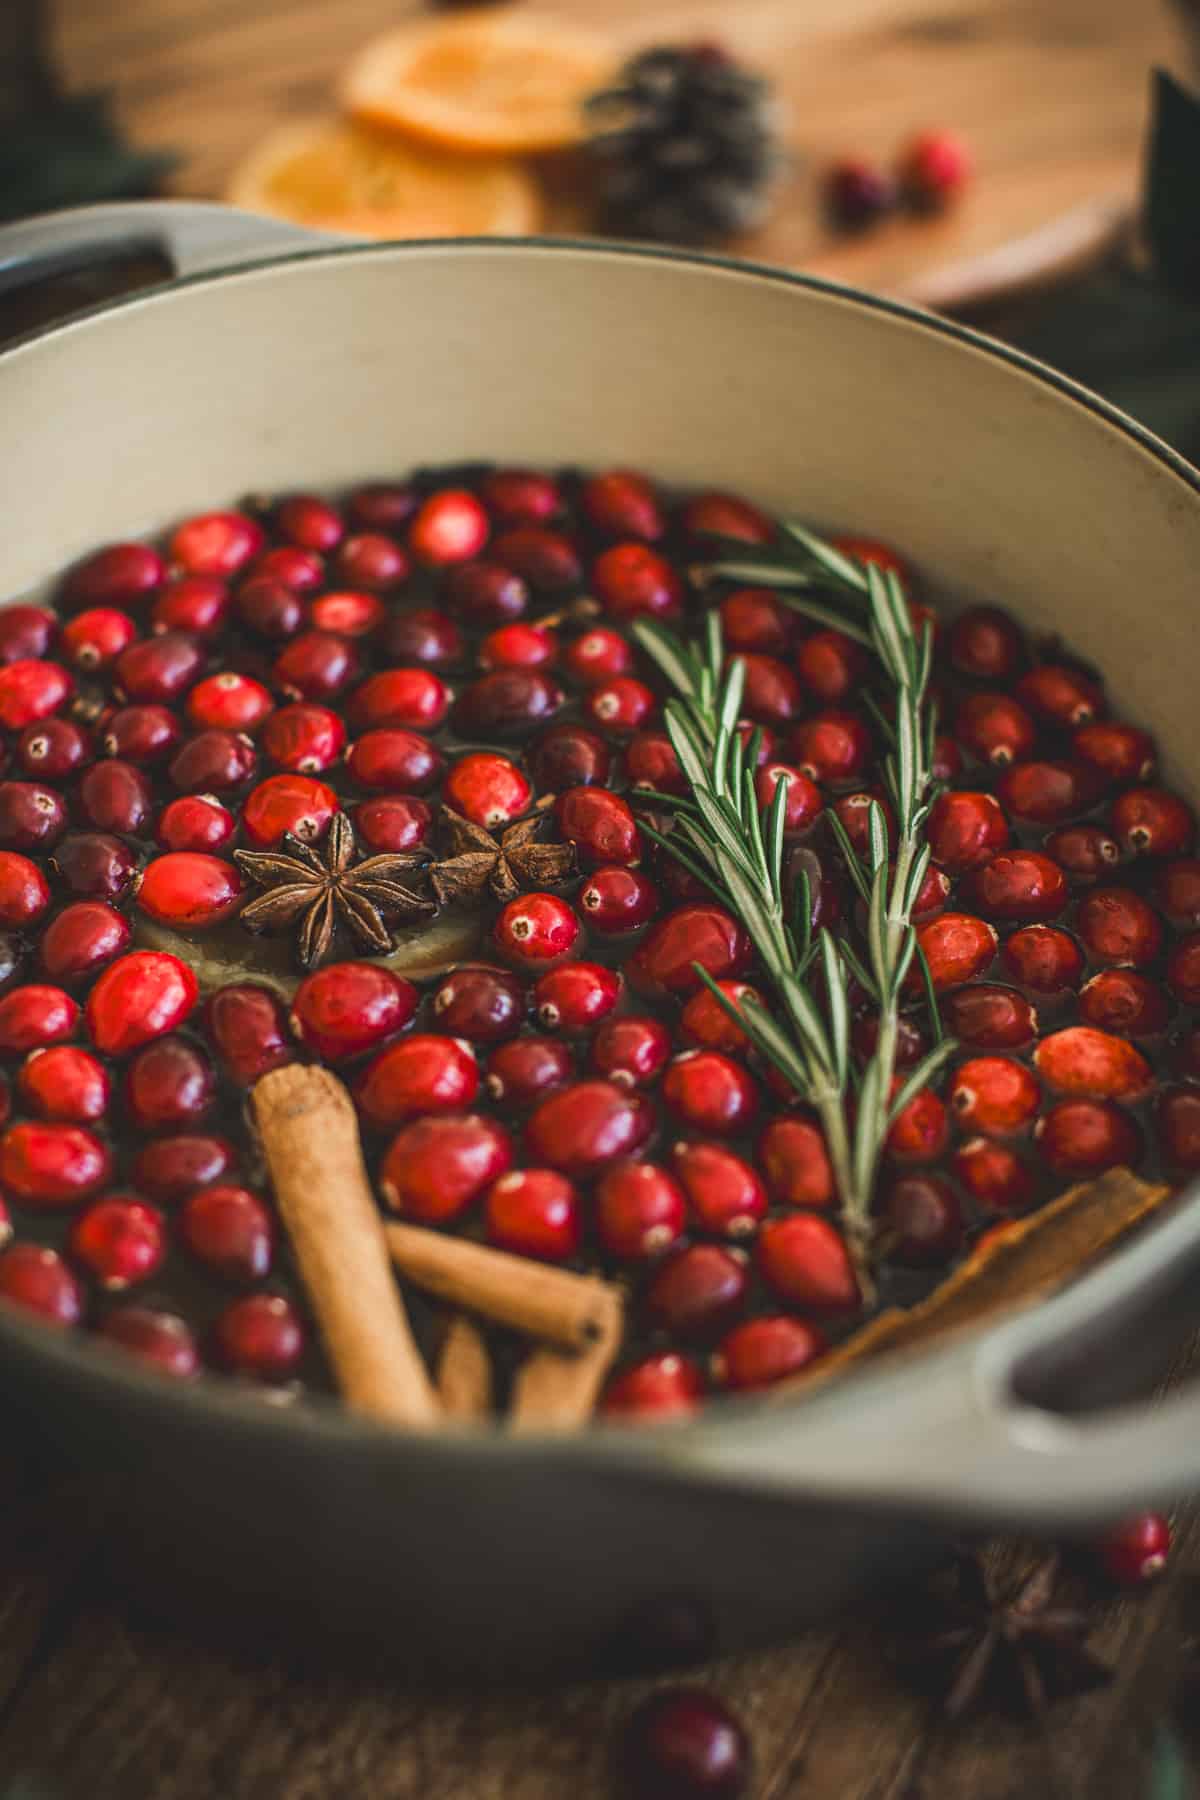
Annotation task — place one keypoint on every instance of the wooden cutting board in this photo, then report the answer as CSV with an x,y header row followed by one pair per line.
x,y
1051,93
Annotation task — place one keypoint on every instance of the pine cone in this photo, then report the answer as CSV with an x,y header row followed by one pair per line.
x,y
684,146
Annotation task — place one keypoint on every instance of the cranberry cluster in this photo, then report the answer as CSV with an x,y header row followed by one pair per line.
x,y
580,1097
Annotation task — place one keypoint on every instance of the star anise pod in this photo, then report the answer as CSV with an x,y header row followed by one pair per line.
x,y
315,887
508,865
1005,1637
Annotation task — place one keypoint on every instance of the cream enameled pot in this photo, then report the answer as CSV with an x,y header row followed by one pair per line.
x,y
275,361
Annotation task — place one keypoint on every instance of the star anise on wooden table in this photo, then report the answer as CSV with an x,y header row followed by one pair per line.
x,y
509,865
313,888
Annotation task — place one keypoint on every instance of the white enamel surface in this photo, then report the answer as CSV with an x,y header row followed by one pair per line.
x,y
335,368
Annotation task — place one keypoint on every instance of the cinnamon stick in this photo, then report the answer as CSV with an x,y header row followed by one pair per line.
x,y
572,1311
309,1134
1010,1268
464,1371
556,1390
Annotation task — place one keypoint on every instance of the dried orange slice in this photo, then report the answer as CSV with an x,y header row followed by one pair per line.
x,y
501,82
342,176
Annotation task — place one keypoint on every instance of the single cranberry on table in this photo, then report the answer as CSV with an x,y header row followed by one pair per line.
x,y
419,1074
260,1336
120,1240
934,169
665,1385
1136,1551
524,1070
724,1194
575,997
48,1167
703,934
535,930
1080,1138
141,996
640,1210
921,1220
189,890
684,1744
436,1167
696,1293
169,1084
24,892
81,939
345,1009
229,1230
169,1169
804,1260
158,1340
995,728
631,1051
35,1015
40,1281
1043,957
1153,822
533,1212
115,796
994,1175
66,1084
583,1128
994,1095
94,639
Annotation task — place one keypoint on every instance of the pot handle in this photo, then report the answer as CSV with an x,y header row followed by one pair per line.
x,y
193,235
1036,1421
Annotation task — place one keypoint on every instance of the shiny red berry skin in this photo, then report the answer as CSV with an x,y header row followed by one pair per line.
x,y
702,933
708,1091
995,728
198,604
118,575
635,582
394,760
450,527
348,1008
621,705
521,496
956,947
640,1211
519,646
420,1074
1118,926
416,699
993,1095
966,830
598,656
486,594
545,560
1135,1552
247,1028
115,796
169,1085
229,1230
40,1282
985,642
420,635
120,1240
507,704
436,1167
601,826
1177,1120
754,619
24,893
696,1293
66,1084
296,803
793,1157
52,750
525,1070
93,864
32,817
922,1219
831,666
260,1336
189,890
615,900
987,1016
348,614
631,1051
569,756
533,1212
271,609
724,1194
1152,822
575,997
1079,1138
1060,695
382,505
1176,890
33,1016
804,1260
237,702
489,790
1122,1001
27,633
1118,753
216,543
623,504
482,1004
48,1167
31,691
310,522
536,929
773,695
140,996
725,515
832,747
94,639
392,822
158,670
1018,885
160,1341
663,1386
371,559
705,1022
1046,793
171,1168
1043,957
583,1128
919,1132
142,734
301,570
935,168
81,939
303,739
994,1175
763,1351
212,762
1183,970
317,665
1085,853
804,802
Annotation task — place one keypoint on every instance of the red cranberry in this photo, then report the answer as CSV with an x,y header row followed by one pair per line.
x,y
754,619
392,822
295,803
804,1260
640,1211
995,728
212,762
216,543
521,496
229,1230
533,1212
724,1194
168,1084
237,702
382,505
171,1168
631,1051
1046,793
486,594
634,581
31,690
1176,890
1082,1060
317,666
725,515
705,934
1081,1138
651,762
260,1336
54,749
697,1292
159,1340
40,1282
803,803
420,1074
28,632
189,890
118,575
922,1219
94,639
990,1017
93,864
1084,852
994,1095
536,929
1060,695
348,1008
419,635
32,817
763,1351
620,706
246,1026
934,169
832,747
665,1385
414,698
33,1016
301,570
347,614
119,1240
710,1092
795,1161
919,1131
310,522
773,693
912,1041
271,609
575,997
115,796
487,789
966,830
1153,822
994,1175
567,756
1044,958
1119,753
1136,1551
1183,970
1177,1116
583,1128
525,1070
601,826
547,560
705,1021
598,656
519,646
1022,885
435,1167
985,642
140,996
159,669
831,666
481,1004
956,947
24,894
65,1084
623,504
508,703
51,1166
617,900
1117,926
198,604
303,739
399,761
81,939
142,734
450,527
1122,1001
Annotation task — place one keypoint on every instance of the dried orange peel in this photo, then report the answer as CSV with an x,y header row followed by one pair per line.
x,y
340,175
508,82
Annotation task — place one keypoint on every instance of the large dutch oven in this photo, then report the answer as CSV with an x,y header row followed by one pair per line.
x,y
278,360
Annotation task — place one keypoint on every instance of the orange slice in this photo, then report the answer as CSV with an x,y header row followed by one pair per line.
x,y
342,176
497,81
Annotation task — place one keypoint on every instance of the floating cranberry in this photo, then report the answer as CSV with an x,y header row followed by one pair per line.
x,y
27,633
546,560
171,1168
617,900
118,575
94,639
956,947
168,1084
508,703
31,690
993,1095
1044,958
1060,695
1119,753
115,796
347,1008
763,1351
487,789
710,1092
159,1340
303,739
1118,926
1080,1138
922,1219
1183,970
996,728
33,1016
1152,822
600,825
40,1282
994,1175
620,706
419,635
576,996
382,505
301,570
229,1230
631,1051
1177,1116
54,749
753,618
414,698
1176,890
804,1260
855,812
651,762
237,702
987,1016
1021,885
583,1128
793,1157
598,656
1084,852
772,694
399,761
635,582
1046,793
1122,1001
533,1212
198,604
65,1084
24,894
246,1026
919,1131
934,169
271,609
832,747
568,756
536,929
142,734
704,934
420,1074
450,527
931,896
966,830
831,666
486,594
32,817
640,1211
140,996
159,669
189,890
212,762
436,1167
348,614
260,1336
93,864
1082,1060
725,515
623,504
519,646
724,1194
317,665
51,1166
521,496
1135,1552
985,642
312,523
392,822
527,1069
912,1041
81,939
663,1386
697,1292
216,543
803,804
705,1021
295,803
120,1240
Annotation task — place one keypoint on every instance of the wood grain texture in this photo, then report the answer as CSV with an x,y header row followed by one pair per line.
x,y
1052,94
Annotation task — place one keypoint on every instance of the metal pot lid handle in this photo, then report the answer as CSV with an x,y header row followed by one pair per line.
x,y
1041,1421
